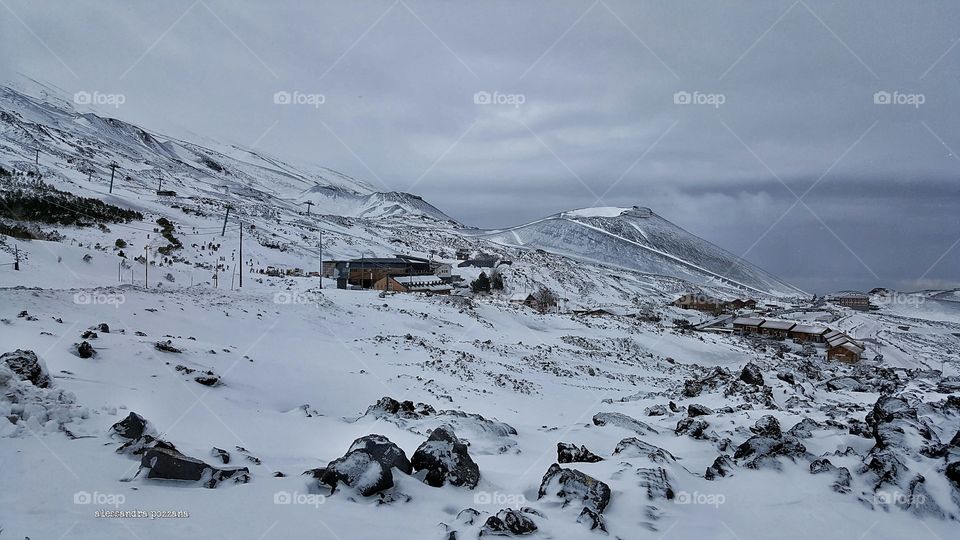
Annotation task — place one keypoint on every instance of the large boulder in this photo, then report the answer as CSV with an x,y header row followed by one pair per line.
x,y
696,409
767,426
634,447
751,374
27,367
168,464
446,460
760,451
722,467
383,450
571,453
571,485
693,427
509,521
133,426
624,421
360,470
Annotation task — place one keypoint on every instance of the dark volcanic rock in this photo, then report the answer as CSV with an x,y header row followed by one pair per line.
x,y
446,460
693,427
384,451
166,346
751,374
167,464
509,521
208,379
220,454
572,485
952,473
722,467
698,410
761,451
360,470
133,426
571,453
591,518
692,388
27,367
804,428
85,350
767,426
656,483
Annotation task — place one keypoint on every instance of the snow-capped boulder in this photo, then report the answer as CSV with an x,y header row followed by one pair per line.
x,y
623,421
592,519
509,522
85,350
445,460
634,447
383,450
27,367
804,428
571,485
767,426
695,409
721,467
693,427
133,426
571,453
751,374
760,451
168,464
360,470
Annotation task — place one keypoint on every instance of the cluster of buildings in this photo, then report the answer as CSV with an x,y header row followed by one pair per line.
x,y
839,346
851,299
400,273
715,306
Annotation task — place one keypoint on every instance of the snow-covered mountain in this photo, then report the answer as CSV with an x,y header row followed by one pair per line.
x,y
639,239
87,143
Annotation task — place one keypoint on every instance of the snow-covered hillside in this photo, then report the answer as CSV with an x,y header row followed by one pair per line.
x,y
144,393
637,238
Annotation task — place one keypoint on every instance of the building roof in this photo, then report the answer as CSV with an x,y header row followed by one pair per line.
x,y
748,321
809,329
853,347
418,280
521,297
778,325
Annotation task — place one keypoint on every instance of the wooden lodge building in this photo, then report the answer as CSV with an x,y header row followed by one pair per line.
x,y
709,304
852,300
365,272
421,284
840,346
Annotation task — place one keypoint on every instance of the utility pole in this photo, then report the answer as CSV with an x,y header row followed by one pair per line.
x,y
146,266
120,270
241,255
113,169
309,204
159,180
16,255
320,257
225,217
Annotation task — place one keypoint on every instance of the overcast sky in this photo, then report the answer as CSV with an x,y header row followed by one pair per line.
x,y
782,154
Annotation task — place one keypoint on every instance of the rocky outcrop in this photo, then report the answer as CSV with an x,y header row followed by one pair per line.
x,y
169,464
571,453
623,421
695,409
573,486
751,374
509,521
359,470
445,460
27,367
722,467
634,447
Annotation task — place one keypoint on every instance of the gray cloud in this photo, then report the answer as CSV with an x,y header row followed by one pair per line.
x,y
598,80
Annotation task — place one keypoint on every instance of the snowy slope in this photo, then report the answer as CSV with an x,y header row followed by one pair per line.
x,y
638,239
87,143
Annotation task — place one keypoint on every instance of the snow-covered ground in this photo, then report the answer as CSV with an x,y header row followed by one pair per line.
x,y
701,435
